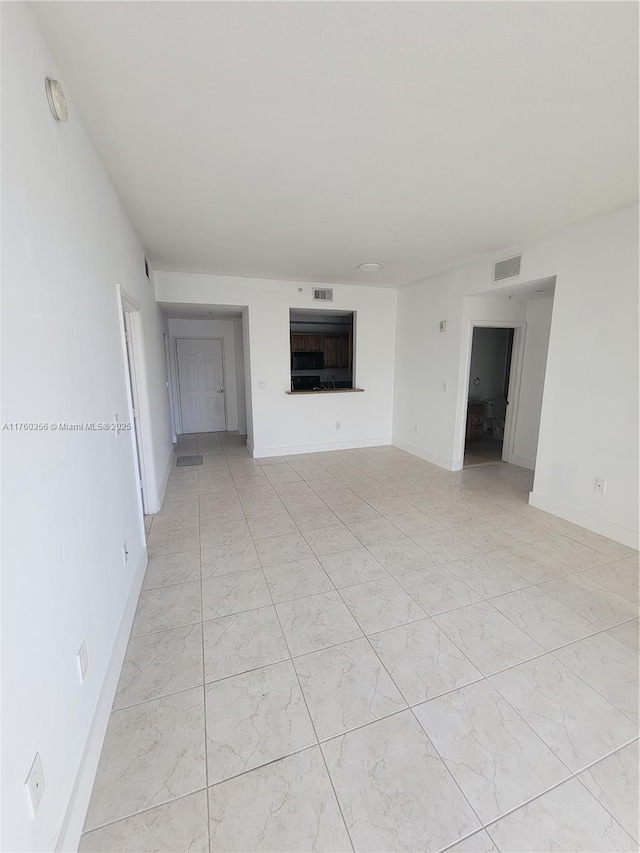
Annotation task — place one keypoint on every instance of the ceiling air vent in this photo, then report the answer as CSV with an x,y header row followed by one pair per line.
x,y
508,268
323,294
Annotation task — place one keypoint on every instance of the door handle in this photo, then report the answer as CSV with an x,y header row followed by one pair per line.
x,y
221,391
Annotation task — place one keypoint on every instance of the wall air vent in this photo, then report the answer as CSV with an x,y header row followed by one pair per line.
x,y
323,294
507,268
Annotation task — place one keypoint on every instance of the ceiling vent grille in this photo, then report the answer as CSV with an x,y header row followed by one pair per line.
x,y
322,294
507,268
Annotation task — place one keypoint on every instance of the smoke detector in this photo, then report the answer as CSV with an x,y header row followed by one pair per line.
x,y
369,267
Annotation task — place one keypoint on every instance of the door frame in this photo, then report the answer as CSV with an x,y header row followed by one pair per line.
x,y
513,394
179,425
136,382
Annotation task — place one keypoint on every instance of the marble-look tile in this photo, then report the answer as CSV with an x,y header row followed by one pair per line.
x,y
158,664
486,575
532,565
180,824
272,525
176,518
222,512
244,641
447,545
330,540
375,531
255,718
609,667
416,523
173,541
316,622
286,807
608,547
256,506
390,505
223,595
315,518
570,717
350,567
486,637
477,843
437,590
283,549
172,568
228,559
523,528
134,772
422,660
621,577
395,793
355,511
227,533
401,555
614,783
570,553
381,604
591,600
450,514
627,633
297,580
488,537
567,818
346,686
494,756
167,607
543,617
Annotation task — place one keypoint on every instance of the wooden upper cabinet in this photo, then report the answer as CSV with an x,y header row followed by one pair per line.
x,y
336,348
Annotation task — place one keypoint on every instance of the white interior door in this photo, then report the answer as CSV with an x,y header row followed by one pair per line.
x,y
201,384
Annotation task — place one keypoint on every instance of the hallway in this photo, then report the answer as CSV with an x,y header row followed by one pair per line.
x,y
359,650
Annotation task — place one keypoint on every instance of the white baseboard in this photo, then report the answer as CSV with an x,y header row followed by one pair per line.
x,y
69,835
291,450
591,522
440,461
524,462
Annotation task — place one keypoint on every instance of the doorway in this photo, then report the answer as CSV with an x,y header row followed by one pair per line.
x,y
492,390
201,384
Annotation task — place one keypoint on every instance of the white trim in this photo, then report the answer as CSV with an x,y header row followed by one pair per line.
x,y
591,522
71,830
440,461
515,376
165,479
291,450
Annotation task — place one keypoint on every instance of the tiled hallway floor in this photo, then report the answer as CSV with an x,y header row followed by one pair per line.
x,y
359,650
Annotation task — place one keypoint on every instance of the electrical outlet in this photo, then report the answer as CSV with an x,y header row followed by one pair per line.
x,y
338,425
600,486
125,553
262,384
34,785
83,661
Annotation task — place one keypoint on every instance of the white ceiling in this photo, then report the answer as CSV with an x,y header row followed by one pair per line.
x,y
297,139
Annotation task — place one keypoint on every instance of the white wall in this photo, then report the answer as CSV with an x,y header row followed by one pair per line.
x,y
285,423
536,347
589,421
228,331
69,498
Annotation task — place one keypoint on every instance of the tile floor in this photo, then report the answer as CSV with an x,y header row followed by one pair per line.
x,y
357,650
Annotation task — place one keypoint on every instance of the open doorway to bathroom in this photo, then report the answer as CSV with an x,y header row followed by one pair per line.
x,y
488,394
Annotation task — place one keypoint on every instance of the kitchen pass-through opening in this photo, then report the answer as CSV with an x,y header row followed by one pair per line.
x,y
321,350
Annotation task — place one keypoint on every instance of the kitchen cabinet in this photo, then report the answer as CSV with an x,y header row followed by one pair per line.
x,y
335,348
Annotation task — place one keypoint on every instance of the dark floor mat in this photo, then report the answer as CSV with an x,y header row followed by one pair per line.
x,y
184,461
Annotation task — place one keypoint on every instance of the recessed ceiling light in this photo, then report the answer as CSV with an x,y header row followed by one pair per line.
x,y
369,267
